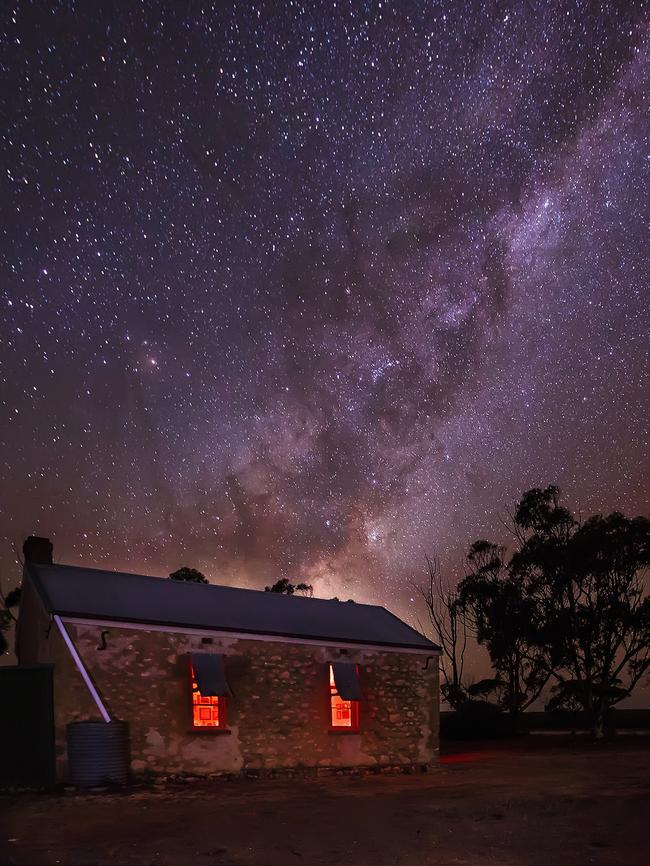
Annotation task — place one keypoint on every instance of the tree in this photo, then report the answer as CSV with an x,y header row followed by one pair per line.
x,y
189,575
503,612
449,623
7,617
486,688
571,604
6,620
596,607
283,586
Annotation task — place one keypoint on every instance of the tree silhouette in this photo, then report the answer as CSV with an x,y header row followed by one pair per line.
x,y
285,587
189,575
571,604
597,610
448,620
504,615
7,617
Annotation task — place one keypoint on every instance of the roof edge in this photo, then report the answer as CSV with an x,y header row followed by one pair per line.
x,y
203,586
280,637
30,569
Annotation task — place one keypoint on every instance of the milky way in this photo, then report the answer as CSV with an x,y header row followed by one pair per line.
x,y
307,289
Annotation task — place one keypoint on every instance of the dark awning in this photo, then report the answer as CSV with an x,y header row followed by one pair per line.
x,y
210,675
346,680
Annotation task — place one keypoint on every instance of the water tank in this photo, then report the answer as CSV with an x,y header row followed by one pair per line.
x,y
98,753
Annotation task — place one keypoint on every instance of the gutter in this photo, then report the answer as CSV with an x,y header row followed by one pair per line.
x,y
82,668
247,635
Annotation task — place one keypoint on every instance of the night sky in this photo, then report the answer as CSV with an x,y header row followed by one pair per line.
x,y
306,289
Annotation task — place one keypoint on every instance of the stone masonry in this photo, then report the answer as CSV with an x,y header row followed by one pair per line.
x,y
277,719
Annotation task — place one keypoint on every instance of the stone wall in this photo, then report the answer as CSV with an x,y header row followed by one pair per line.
x,y
277,718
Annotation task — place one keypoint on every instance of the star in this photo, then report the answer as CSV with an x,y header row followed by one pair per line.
x,y
314,291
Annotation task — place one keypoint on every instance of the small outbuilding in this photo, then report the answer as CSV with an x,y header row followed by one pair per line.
x,y
213,679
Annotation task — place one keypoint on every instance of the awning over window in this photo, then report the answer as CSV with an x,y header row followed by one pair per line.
x,y
210,675
346,679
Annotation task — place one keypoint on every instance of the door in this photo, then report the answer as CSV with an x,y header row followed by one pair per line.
x,y
27,726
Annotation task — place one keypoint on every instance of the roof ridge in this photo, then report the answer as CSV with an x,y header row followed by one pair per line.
x,y
220,586
94,593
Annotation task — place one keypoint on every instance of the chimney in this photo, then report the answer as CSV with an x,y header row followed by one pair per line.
x,y
39,550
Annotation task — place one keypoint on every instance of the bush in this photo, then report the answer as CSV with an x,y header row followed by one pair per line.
x,y
477,720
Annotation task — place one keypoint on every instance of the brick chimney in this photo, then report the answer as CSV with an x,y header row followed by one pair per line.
x,y
37,549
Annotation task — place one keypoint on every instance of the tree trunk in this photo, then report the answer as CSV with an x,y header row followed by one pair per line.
x,y
599,714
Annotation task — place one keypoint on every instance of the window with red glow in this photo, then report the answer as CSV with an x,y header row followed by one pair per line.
x,y
344,714
207,711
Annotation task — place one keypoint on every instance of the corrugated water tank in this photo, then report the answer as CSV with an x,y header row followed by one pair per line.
x,y
98,753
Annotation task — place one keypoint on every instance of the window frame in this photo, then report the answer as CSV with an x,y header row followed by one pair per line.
x,y
355,723
221,702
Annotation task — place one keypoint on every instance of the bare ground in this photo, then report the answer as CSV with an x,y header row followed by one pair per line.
x,y
547,804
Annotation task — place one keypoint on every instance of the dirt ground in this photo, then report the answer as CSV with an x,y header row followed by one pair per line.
x,y
546,804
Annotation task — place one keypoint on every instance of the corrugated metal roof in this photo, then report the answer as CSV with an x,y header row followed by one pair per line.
x,y
93,594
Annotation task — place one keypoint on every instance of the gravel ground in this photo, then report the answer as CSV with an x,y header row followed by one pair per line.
x,y
532,804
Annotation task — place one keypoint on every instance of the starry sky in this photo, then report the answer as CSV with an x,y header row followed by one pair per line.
x,y
307,289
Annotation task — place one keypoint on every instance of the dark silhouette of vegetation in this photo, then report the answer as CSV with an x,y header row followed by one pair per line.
x,y
504,617
477,718
7,616
592,577
570,605
486,689
285,587
448,619
189,575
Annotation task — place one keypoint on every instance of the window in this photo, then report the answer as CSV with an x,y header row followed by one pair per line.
x,y
207,711
344,714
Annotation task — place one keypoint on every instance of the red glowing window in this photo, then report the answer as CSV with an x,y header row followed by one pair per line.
x,y
207,711
344,714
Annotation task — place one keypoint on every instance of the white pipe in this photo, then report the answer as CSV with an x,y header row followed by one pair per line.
x,y
81,668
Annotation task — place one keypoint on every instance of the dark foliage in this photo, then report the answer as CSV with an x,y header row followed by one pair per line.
x,y
504,614
285,587
5,624
594,607
189,575
570,605
12,598
7,617
486,688
477,719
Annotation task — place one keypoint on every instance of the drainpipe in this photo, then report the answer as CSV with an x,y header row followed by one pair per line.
x,y
81,668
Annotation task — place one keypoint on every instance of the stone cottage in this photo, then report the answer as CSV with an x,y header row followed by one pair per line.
x,y
213,679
